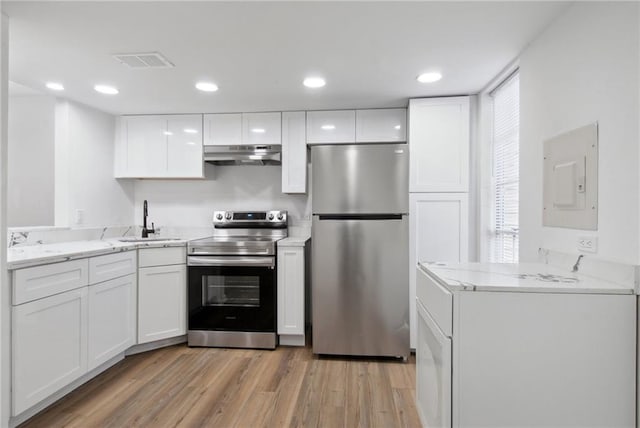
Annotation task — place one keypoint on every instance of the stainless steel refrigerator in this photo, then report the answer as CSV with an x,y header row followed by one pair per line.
x,y
360,281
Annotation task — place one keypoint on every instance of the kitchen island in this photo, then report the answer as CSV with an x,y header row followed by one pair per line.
x,y
523,345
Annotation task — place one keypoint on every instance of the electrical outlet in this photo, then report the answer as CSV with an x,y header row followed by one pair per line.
x,y
79,216
588,244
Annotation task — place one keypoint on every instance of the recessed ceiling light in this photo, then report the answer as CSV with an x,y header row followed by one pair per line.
x,y
190,130
207,86
314,82
258,130
54,86
429,77
397,127
328,127
106,89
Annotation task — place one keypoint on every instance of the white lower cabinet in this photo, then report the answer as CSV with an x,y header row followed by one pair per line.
x,y
292,279
49,346
112,319
162,306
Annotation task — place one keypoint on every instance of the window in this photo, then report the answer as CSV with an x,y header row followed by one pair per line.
x,y
506,171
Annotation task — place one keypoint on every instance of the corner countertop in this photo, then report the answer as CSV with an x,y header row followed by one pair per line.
x,y
293,241
518,277
35,255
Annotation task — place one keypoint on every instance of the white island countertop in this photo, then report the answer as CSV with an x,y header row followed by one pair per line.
x,y
518,277
34,255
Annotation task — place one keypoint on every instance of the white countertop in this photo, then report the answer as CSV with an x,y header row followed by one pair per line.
x,y
293,241
34,255
519,277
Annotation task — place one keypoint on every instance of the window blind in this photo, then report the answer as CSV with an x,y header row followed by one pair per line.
x,y
506,171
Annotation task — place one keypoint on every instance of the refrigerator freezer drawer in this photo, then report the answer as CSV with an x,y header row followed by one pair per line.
x,y
360,287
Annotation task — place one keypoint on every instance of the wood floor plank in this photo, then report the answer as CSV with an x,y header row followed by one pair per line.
x,y
209,387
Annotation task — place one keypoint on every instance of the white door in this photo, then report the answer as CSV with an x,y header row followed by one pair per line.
x,y
146,145
381,125
439,144
184,146
49,346
294,152
162,304
438,232
261,128
291,290
433,372
326,127
112,318
223,129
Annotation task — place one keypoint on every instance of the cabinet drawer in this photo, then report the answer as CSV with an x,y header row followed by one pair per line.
x,y
162,256
104,268
437,300
42,281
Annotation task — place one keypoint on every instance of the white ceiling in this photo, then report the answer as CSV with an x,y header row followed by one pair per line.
x,y
259,52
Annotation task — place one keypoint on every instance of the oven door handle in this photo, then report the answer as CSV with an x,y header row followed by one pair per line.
x,y
232,261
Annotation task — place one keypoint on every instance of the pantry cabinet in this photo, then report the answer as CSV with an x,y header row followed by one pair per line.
x,y
49,346
439,144
438,232
159,146
294,152
162,293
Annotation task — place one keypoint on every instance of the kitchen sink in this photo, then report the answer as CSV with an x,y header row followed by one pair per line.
x,y
137,239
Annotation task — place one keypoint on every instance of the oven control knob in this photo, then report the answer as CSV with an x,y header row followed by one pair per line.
x,y
280,216
219,216
270,216
227,216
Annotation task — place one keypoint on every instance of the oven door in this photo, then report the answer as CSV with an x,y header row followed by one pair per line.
x,y
232,293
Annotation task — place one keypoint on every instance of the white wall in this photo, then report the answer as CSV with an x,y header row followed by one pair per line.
x,y
180,203
84,169
5,304
31,162
584,68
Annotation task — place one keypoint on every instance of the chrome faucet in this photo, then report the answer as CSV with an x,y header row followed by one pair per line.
x,y
145,214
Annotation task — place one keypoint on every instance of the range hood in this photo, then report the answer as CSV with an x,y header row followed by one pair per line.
x,y
243,155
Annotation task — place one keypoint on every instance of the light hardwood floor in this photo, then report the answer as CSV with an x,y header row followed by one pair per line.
x,y
208,387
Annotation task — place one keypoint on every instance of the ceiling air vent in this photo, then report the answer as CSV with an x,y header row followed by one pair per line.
x,y
144,60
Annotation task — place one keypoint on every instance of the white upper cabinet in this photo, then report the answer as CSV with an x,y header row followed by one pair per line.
x,y
331,127
223,129
161,146
184,146
381,125
294,152
261,128
439,144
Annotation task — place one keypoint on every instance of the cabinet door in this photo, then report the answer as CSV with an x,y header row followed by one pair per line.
x,y
184,147
112,322
331,127
261,128
294,152
49,346
291,290
439,231
161,302
439,144
381,125
146,142
223,129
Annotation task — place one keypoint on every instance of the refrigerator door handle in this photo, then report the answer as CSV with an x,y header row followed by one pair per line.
x,y
360,216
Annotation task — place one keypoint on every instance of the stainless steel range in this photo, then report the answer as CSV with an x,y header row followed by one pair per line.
x,y
232,281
